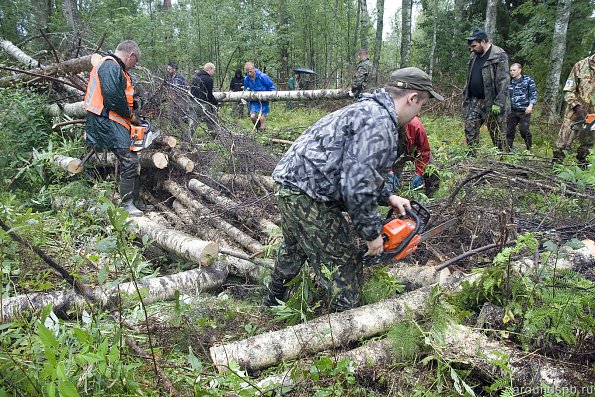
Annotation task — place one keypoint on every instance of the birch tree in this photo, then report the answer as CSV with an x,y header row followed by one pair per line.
x,y
379,29
550,97
363,22
406,32
490,23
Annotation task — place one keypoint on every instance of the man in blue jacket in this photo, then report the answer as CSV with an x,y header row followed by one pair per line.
x,y
257,81
523,95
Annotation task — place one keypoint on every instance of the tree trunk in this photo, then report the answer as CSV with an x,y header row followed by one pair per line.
x,y
270,348
183,162
549,109
176,242
68,67
378,40
363,22
70,164
281,95
67,109
148,159
490,23
71,15
407,8
246,181
166,141
434,11
153,290
283,39
203,213
226,204
18,54
530,372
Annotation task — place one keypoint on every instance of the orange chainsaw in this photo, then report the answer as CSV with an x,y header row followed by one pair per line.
x,y
402,235
141,135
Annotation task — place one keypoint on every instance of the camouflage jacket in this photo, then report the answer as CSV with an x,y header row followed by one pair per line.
x,y
363,78
344,157
580,85
496,80
522,92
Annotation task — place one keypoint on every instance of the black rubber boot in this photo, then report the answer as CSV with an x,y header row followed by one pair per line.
x,y
127,195
277,290
138,202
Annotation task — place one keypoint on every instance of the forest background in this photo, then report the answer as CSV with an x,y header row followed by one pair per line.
x,y
546,37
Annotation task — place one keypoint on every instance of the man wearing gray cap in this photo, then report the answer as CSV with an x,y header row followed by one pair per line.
x,y
340,164
485,96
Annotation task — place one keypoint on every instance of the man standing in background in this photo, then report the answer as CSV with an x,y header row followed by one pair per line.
x,y
364,76
485,96
257,81
523,95
579,95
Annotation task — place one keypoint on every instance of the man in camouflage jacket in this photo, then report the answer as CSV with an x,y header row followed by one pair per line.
x,y
339,164
523,95
579,95
365,75
485,96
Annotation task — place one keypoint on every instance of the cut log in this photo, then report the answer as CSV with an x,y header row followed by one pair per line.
x,y
267,227
153,290
244,181
204,213
304,95
148,159
70,164
530,372
323,333
176,242
418,276
166,141
183,162
74,110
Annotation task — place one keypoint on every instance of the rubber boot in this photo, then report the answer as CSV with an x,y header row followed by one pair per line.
x,y
581,157
277,290
138,202
558,156
127,195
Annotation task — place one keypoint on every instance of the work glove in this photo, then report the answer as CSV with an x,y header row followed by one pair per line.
x,y
137,102
495,110
417,182
580,113
393,181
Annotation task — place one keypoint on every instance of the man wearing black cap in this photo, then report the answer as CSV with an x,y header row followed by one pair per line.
x,y
174,77
340,164
485,96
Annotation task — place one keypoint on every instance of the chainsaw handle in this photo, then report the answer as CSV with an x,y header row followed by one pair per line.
x,y
419,214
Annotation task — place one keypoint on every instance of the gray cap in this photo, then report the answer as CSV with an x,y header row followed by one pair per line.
x,y
478,34
413,79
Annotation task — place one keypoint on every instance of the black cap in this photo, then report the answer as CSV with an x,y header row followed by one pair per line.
x,y
413,79
173,64
478,34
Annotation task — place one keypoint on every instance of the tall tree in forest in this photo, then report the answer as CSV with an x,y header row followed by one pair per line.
x,y
434,7
363,23
71,14
550,96
378,40
490,23
406,10
283,39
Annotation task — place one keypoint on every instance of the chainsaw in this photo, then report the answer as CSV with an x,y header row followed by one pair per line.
x,y
402,235
588,124
141,135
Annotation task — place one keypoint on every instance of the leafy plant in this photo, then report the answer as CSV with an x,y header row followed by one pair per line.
x,y
380,286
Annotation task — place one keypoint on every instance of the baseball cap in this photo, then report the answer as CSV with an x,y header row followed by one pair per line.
x,y
412,78
173,64
478,34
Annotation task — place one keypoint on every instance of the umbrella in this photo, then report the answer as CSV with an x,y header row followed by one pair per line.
x,y
304,71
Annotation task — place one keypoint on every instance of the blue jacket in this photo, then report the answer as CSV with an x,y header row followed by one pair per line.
x,y
261,82
522,92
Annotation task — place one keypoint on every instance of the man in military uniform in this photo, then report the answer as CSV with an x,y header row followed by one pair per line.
x,y
339,164
579,95
365,75
523,95
485,96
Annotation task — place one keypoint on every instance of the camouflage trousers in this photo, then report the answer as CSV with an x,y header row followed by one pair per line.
x,y
477,114
317,232
568,134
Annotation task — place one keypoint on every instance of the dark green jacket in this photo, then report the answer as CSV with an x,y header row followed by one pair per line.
x,y
102,132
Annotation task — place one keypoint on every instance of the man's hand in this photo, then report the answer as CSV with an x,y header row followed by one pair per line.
x,y
495,110
135,118
351,94
417,182
580,113
375,247
399,203
529,109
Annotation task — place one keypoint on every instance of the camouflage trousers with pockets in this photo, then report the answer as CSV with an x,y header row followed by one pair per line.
x,y
476,114
317,232
569,131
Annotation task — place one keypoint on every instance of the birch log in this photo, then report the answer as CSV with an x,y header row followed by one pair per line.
x,y
267,227
18,54
183,162
203,212
147,158
281,95
176,242
323,333
153,290
70,164
71,66
166,141
74,110
529,371
266,182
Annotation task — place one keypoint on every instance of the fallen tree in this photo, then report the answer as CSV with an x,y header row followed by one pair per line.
x,y
237,96
152,290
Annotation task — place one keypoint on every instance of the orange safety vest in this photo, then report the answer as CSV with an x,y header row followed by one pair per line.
x,y
94,97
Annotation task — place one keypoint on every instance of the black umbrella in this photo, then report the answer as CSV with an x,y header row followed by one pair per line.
x,y
304,71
